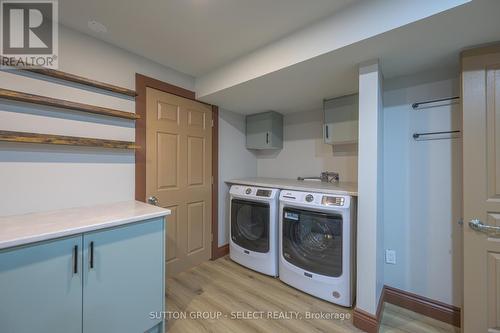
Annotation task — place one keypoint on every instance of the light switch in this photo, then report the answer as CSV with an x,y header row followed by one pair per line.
x,y
390,256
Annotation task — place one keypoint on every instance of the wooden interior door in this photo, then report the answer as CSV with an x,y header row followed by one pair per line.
x,y
179,174
481,116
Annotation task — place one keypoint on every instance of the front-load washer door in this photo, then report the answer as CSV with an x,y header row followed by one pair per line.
x,y
250,225
313,241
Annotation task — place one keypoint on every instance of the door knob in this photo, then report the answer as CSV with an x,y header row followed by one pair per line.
x,y
480,226
152,200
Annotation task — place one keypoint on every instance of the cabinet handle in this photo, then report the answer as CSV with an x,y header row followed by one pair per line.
x,y
75,259
326,131
91,255
267,138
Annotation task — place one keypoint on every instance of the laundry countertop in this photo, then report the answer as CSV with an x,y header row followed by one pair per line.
x,y
341,188
30,228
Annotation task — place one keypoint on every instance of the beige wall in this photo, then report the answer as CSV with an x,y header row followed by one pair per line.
x,y
46,177
304,153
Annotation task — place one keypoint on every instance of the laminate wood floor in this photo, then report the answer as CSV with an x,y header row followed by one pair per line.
x,y
222,296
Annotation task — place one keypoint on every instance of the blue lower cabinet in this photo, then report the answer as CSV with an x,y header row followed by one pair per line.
x,y
123,278
41,287
108,281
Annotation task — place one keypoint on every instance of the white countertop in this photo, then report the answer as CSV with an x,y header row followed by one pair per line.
x,y
29,228
342,188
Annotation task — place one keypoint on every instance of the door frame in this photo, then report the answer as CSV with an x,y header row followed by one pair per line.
x,y
141,83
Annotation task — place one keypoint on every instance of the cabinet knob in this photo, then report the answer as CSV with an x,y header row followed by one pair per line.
x,y
152,200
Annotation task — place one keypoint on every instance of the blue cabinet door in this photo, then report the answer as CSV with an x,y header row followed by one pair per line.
x,y
41,287
123,278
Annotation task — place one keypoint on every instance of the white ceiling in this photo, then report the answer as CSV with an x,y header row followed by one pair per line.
x,y
198,36
432,43
195,36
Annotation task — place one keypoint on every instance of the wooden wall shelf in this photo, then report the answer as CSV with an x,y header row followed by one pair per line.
x,y
10,136
59,103
81,80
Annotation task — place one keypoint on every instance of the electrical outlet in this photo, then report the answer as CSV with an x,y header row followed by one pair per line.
x,y
390,256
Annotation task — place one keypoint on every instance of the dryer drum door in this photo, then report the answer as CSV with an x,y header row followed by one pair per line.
x,y
250,225
313,241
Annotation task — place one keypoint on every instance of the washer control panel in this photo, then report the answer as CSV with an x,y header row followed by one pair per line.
x,y
316,199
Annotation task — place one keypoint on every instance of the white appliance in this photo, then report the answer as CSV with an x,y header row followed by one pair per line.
x,y
317,244
253,228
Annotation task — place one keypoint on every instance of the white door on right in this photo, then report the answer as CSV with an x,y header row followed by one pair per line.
x,y
481,180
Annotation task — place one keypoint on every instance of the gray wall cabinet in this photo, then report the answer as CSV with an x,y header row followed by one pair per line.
x,y
341,120
102,281
264,130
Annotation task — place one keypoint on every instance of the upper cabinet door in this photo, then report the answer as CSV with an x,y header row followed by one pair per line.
x,y
264,130
341,120
123,280
40,287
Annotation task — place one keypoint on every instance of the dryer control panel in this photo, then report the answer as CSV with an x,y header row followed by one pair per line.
x,y
263,193
332,201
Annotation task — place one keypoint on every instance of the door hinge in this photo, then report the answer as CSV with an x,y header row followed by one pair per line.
x,y
212,180
212,123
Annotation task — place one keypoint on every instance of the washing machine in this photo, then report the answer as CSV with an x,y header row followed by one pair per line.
x,y
317,244
253,240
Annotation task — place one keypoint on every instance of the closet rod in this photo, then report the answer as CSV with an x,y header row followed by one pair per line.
x,y
418,135
416,105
